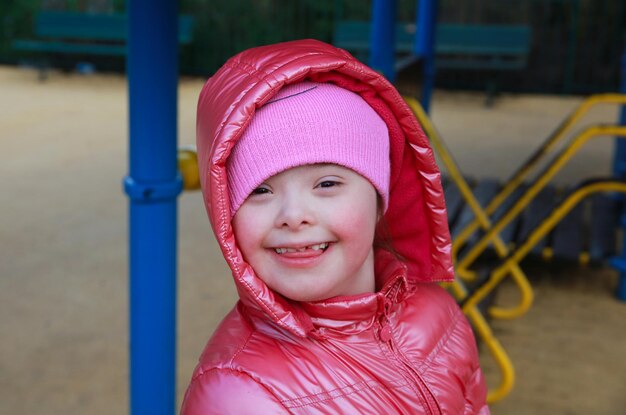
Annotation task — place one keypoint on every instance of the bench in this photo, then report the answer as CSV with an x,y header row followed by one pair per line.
x,y
457,46
86,34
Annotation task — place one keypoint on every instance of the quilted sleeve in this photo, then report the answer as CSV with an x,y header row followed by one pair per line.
x,y
224,392
475,385
476,392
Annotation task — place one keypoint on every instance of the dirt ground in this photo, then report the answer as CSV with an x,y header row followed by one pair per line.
x,y
63,256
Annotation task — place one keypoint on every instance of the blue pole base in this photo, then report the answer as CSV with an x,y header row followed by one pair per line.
x,y
621,287
620,265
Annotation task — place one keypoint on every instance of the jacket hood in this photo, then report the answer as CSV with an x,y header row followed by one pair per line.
x,y
416,216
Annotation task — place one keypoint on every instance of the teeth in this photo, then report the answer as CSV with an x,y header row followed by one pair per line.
x,y
319,246
290,250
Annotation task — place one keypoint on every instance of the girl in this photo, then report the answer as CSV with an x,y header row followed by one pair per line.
x,y
326,201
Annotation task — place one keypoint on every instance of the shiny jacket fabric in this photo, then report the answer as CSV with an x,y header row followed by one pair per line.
x,y
406,349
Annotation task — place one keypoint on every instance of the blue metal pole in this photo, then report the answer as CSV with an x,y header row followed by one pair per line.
x,y
383,37
619,158
619,170
152,187
426,24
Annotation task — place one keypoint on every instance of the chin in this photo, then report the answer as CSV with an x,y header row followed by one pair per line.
x,y
306,298
304,294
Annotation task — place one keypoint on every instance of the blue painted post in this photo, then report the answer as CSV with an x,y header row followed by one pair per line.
x,y
152,187
383,37
426,24
619,160
619,170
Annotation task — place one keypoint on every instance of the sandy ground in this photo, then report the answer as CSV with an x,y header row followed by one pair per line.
x,y
63,256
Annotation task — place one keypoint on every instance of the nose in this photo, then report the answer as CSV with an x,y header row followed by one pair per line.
x,y
295,212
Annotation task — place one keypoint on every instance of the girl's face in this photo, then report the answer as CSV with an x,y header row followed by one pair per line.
x,y
308,232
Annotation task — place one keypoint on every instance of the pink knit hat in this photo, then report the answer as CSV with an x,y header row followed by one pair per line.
x,y
308,123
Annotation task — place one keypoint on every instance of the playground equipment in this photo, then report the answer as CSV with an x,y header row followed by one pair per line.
x,y
491,49
84,34
493,229
383,38
188,167
152,186
482,218
470,299
534,189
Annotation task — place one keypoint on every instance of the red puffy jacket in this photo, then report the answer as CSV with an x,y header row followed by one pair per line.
x,y
406,349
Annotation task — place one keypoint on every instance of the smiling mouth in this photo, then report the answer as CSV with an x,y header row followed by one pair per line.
x,y
317,247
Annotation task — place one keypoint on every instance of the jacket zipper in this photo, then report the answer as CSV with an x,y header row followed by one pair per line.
x,y
386,337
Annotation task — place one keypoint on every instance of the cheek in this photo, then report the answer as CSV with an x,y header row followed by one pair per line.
x,y
246,234
359,223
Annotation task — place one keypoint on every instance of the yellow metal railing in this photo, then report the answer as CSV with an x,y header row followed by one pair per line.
x,y
457,287
485,334
188,167
518,177
518,276
540,232
560,160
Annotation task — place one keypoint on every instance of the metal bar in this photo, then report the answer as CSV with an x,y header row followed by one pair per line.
x,y
619,170
482,328
524,170
382,56
152,186
559,161
426,24
520,279
542,230
484,333
619,158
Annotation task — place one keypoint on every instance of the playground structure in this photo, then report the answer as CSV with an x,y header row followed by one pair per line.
x,y
510,259
72,33
470,298
153,185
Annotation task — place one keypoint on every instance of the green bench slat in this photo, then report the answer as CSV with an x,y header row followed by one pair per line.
x,y
483,39
84,26
480,64
355,35
71,48
502,47
87,33
96,26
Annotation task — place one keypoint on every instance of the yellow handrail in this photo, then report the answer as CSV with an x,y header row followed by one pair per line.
x,y
518,276
484,333
540,232
559,161
188,168
518,177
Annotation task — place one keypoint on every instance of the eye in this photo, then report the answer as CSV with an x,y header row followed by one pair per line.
x,y
329,183
261,190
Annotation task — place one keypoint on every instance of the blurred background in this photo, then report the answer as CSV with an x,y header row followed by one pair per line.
x,y
64,297
575,45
